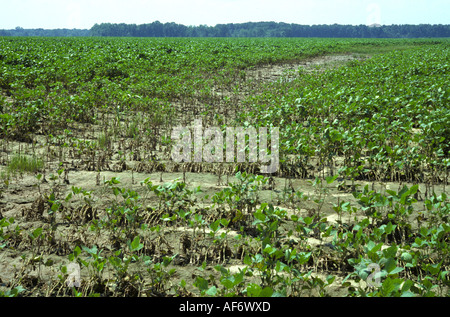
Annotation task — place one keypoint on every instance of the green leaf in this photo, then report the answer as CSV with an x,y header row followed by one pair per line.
x,y
387,287
303,257
92,250
372,247
389,228
407,285
281,293
49,262
331,179
266,292
413,189
407,257
308,220
247,260
396,270
36,233
215,225
253,290
391,192
224,222
330,279
259,216
68,197
212,291
391,266
229,284
76,251
390,252
434,268
223,271
54,207
201,283
403,191
136,245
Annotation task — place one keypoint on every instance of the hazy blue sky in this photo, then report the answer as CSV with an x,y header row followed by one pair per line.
x,y
49,14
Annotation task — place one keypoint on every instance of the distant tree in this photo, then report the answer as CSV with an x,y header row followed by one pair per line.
x,y
250,29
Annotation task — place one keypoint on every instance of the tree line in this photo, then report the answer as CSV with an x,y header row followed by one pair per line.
x,y
19,31
250,29
269,29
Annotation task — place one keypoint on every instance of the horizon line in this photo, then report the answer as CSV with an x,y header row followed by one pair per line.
x,y
212,26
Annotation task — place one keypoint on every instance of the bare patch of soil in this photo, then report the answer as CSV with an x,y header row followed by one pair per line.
x,y
320,63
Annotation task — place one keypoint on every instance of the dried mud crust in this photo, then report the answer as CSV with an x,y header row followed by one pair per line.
x,y
320,63
30,211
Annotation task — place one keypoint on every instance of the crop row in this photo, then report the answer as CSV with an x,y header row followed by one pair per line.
x,y
383,119
55,80
386,118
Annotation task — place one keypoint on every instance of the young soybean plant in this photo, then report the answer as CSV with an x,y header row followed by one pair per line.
x,y
322,191
120,261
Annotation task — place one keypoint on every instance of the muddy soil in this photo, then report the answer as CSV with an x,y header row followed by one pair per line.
x,y
311,65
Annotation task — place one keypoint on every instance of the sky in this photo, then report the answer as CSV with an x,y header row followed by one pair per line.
x,y
83,14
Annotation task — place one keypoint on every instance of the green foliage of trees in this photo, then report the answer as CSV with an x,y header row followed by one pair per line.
x,y
269,29
19,31
250,29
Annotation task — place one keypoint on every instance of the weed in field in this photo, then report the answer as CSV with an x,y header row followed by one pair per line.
x,y
20,164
